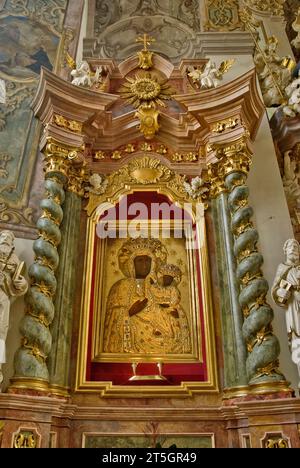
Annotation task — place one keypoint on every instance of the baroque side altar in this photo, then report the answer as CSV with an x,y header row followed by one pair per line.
x,y
147,298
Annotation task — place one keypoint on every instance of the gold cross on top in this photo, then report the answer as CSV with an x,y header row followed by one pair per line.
x,y
146,41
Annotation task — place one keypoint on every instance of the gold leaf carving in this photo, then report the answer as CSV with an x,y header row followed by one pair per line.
x,y
139,173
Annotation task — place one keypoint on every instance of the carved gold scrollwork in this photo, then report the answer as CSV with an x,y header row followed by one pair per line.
x,y
25,439
4,160
66,39
72,125
145,171
222,15
148,117
277,443
221,127
274,7
34,350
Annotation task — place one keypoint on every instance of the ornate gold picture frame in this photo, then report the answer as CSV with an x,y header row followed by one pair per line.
x,y
144,175
181,307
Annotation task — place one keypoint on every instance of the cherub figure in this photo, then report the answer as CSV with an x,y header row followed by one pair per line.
x,y
210,76
98,184
83,75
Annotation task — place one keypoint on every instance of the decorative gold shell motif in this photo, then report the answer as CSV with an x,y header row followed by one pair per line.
x,y
147,170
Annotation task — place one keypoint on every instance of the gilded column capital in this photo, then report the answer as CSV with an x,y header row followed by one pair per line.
x,y
77,179
233,157
216,179
67,164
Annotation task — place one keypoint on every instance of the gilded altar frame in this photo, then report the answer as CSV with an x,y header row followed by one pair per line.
x,y
142,175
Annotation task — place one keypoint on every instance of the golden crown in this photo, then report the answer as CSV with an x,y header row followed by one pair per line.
x,y
170,269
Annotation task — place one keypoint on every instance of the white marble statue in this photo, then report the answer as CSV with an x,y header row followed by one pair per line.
x,y
12,284
210,76
292,92
274,72
98,184
286,293
291,178
2,92
296,27
83,75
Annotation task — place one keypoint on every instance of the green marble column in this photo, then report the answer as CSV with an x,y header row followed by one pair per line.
x,y
234,347
262,362
46,296
61,328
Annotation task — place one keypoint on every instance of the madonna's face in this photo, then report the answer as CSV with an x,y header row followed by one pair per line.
x,y
142,265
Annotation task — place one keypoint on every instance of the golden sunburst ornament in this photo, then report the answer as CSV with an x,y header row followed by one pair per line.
x,y
146,88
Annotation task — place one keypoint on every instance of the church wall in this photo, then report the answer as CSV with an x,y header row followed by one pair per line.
x,y
83,31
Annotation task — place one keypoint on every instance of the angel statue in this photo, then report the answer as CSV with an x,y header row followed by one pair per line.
x,y
274,72
83,75
210,76
296,27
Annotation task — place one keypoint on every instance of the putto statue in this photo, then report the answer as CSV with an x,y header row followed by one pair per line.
x,y
196,188
286,294
83,75
12,284
98,184
210,76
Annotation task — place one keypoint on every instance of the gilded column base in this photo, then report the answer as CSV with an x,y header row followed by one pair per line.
x,y
236,392
29,385
281,387
60,392
268,390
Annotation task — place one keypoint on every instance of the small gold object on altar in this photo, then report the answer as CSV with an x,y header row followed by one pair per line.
x,y
136,377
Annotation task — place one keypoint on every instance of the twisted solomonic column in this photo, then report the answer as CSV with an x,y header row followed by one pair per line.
x,y
30,360
263,347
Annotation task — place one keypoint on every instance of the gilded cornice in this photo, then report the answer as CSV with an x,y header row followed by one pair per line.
x,y
239,96
76,116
